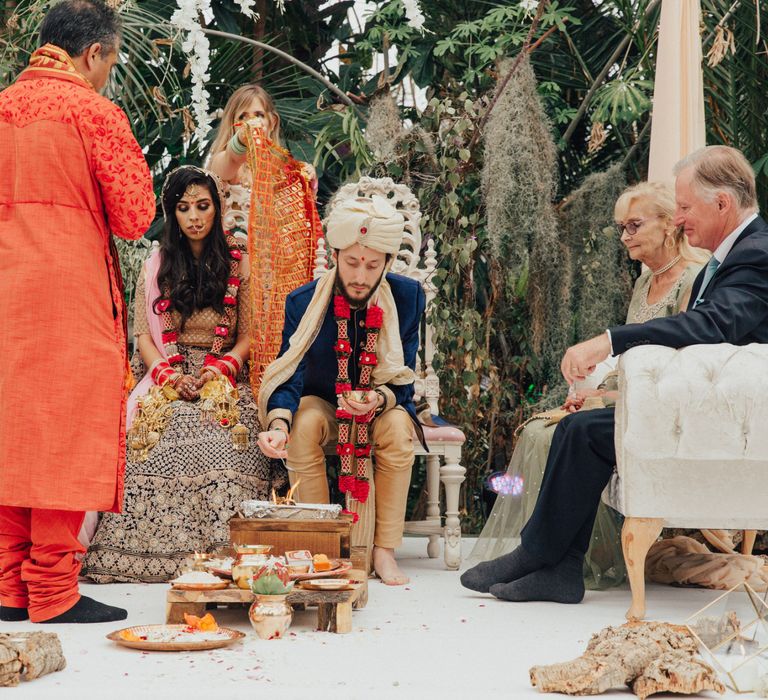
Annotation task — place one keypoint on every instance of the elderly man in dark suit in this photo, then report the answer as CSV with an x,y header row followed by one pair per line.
x,y
717,206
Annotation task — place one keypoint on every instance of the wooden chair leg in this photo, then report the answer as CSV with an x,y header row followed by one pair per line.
x,y
452,476
748,541
637,536
433,502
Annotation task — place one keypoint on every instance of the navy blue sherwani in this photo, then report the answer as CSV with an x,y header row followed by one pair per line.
x,y
316,373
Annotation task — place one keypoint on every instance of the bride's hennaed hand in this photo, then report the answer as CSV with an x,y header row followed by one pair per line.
x,y
187,387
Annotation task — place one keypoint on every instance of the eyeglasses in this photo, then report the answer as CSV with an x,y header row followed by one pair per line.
x,y
632,227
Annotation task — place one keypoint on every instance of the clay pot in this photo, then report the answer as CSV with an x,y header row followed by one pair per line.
x,y
270,615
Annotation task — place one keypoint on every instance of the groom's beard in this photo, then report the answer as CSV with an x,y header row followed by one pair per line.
x,y
356,302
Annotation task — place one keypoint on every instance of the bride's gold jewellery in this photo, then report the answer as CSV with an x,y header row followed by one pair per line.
x,y
192,191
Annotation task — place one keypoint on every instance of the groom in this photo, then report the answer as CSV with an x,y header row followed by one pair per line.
x,y
717,206
357,328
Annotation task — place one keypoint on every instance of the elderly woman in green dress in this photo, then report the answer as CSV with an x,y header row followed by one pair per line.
x,y
644,217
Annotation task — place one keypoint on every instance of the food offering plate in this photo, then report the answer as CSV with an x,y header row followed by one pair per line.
x,y
338,567
328,584
200,586
174,638
220,566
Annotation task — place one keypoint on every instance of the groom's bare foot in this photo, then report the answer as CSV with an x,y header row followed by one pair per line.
x,y
386,567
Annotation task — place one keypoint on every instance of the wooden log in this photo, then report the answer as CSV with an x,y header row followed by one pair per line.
x,y
10,666
343,618
614,657
325,616
174,612
29,655
676,672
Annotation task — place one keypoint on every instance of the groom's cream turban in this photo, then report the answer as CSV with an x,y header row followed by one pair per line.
x,y
372,222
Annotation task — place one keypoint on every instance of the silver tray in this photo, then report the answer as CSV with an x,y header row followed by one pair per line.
x,y
300,511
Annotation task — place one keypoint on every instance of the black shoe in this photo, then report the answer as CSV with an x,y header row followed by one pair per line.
x,y
88,610
9,614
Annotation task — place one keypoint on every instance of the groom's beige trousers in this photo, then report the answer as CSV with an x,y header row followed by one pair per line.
x,y
314,426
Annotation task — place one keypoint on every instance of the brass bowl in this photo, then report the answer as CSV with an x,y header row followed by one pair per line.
x,y
246,549
244,569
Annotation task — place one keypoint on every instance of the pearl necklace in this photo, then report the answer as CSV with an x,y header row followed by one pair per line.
x,y
668,266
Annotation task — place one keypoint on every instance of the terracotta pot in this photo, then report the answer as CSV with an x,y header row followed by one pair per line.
x,y
270,615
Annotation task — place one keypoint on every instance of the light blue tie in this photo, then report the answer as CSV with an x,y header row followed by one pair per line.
x,y
709,273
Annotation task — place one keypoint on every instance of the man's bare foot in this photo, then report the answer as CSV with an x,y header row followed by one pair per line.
x,y
386,567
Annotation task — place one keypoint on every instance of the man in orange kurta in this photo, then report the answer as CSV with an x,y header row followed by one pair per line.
x,y
71,174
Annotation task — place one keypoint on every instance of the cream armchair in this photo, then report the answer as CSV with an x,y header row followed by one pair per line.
x,y
691,446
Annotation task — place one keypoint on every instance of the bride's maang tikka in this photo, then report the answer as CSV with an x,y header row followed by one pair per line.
x,y
217,181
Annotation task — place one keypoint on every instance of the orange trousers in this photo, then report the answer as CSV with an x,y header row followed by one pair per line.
x,y
38,563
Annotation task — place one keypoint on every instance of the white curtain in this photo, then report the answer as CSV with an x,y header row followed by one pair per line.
x,y
678,98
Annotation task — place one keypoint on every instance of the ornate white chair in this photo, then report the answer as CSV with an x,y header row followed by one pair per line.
x,y
445,442
691,446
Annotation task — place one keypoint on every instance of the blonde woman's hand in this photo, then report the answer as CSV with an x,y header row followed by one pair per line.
x,y
309,171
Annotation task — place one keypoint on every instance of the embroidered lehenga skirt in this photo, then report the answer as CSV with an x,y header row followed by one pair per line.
x,y
181,498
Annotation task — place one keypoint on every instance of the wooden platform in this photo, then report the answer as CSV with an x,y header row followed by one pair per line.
x,y
334,608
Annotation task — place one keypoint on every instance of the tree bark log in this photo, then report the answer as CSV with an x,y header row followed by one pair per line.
x,y
616,656
29,655
676,672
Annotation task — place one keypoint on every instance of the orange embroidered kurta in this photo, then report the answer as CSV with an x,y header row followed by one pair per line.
x,y
71,173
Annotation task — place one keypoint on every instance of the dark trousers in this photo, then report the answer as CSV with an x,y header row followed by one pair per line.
x,y
580,464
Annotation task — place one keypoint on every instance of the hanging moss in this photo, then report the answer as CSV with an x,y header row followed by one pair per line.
x,y
602,269
384,129
519,171
519,176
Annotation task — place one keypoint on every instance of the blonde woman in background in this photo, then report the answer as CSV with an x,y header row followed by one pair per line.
x,y
249,104
644,218
282,225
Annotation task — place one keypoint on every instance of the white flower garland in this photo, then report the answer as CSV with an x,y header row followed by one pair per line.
x,y
197,48
246,7
414,15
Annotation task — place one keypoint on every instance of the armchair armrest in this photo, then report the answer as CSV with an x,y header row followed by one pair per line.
x,y
691,434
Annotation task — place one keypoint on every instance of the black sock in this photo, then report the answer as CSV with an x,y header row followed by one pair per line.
x,y
562,583
9,614
503,569
88,610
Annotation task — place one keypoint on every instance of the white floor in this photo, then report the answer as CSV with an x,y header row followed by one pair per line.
x,y
430,639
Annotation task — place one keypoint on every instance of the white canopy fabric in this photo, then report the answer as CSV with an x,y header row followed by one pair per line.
x,y
678,98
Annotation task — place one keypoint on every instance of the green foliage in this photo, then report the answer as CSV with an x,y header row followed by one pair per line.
x,y
600,266
625,99
132,256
